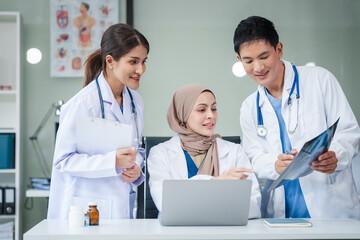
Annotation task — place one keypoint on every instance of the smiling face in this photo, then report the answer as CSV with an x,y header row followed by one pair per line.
x,y
262,62
203,117
128,69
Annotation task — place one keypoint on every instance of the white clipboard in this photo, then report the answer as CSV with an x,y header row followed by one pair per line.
x,y
100,136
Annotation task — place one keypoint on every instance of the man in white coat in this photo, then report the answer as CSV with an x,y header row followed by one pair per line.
x,y
291,106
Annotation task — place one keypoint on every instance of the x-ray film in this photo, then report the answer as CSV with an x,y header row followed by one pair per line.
x,y
300,165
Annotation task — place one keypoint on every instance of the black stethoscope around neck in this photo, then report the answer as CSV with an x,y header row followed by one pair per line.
x,y
261,130
133,109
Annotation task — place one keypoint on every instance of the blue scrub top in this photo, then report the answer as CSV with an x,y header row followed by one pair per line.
x,y
191,166
295,205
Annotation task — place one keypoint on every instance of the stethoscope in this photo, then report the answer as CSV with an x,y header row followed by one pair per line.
x,y
133,110
261,130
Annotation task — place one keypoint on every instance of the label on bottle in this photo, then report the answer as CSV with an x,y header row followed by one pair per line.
x,y
86,220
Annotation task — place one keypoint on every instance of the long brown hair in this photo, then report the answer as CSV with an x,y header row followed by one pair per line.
x,y
116,41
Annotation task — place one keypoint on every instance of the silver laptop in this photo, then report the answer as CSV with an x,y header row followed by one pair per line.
x,y
205,202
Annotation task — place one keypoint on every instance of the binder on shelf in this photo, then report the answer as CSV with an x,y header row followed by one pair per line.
x,y
7,150
1,201
9,200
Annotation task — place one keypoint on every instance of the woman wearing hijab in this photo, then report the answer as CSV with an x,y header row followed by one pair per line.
x,y
195,152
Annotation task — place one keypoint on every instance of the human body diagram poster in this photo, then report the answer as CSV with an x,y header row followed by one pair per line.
x,y
76,28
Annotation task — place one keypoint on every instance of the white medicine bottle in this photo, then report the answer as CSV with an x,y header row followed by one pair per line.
x,y
76,216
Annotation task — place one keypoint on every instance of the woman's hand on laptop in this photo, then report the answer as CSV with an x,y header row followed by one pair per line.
x,y
234,173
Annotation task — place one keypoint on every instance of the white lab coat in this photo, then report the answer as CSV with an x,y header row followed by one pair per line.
x,y
322,102
167,161
79,178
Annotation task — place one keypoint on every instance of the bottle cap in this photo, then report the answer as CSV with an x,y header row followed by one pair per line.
x,y
76,208
92,203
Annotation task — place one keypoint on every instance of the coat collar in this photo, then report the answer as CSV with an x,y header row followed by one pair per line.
x,y
109,99
177,157
223,148
288,81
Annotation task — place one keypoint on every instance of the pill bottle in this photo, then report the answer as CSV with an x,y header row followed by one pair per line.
x,y
76,216
93,213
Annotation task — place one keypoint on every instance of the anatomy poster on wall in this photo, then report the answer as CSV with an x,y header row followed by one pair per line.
x,y
76,31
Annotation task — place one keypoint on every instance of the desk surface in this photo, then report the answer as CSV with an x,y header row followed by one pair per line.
x,y
152,229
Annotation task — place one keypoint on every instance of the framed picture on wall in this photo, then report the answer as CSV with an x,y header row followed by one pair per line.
x,y
76,28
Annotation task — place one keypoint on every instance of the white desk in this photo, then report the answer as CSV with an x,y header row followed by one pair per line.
x,y
151,229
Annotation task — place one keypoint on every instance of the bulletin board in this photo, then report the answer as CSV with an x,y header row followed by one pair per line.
x,y
76,28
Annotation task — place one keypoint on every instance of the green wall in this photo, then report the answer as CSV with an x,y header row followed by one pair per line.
x,y
191,42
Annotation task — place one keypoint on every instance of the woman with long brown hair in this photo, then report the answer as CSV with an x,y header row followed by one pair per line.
x,y
112,74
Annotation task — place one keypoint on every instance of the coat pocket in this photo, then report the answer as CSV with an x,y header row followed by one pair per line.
x,y
343,189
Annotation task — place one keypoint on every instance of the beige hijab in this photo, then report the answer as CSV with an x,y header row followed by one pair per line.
x,y
179,111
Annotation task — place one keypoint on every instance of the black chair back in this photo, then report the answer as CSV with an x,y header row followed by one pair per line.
x,y
146,206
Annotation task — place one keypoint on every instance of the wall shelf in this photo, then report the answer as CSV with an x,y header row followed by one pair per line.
x,y
7,92
7,130
37,193
7,216
7,170
10,106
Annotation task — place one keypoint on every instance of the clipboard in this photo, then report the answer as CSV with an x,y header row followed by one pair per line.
x,y
100,136
300,165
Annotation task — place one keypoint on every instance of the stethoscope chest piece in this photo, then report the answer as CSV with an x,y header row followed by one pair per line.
x,y
261,131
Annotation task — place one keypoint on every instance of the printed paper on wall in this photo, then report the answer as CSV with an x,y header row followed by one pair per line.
x,y
76,31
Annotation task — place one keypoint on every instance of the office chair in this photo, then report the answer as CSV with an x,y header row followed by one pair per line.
x,y
145,205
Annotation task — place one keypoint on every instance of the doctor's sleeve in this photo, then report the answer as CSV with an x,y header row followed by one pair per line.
x,y
141,122
141,151
139,161
346,139
242,161
261,160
